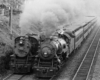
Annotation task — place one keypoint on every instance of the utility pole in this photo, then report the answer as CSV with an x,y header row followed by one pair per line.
x,y
10,21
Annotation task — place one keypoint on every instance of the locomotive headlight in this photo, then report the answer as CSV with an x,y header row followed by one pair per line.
x,y
46,52
21,42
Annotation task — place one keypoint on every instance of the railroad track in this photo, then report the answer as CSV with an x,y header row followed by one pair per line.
x,y
84,68
14,77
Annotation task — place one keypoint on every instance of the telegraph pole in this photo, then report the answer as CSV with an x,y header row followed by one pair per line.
x,y
10,21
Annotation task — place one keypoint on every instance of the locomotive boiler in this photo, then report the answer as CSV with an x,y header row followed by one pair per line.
x,y
23,55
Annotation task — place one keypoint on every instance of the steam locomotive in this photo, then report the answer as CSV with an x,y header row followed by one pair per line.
x,y
47,55
53,51
24,52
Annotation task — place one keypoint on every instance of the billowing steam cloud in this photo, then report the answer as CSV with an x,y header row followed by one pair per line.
x,y
45,16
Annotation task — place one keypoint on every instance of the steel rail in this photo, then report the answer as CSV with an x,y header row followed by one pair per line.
x,y
85,56
93,59
9,77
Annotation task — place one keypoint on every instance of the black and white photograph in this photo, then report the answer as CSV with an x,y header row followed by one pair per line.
x,y
49,39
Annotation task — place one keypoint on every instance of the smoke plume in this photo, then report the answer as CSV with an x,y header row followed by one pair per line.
x,y
45,16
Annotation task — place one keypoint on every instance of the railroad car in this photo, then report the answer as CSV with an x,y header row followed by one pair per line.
x,y
23,55
54,50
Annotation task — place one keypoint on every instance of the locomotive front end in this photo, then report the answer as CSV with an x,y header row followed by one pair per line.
x,y
52,54
23,57
45,66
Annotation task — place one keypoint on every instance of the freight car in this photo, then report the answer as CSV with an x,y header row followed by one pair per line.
x,y
24,53
54,50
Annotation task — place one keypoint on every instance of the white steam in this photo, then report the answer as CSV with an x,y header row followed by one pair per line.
x,y
44,16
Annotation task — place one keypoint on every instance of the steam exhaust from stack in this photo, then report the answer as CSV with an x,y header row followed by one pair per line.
x,y
45,16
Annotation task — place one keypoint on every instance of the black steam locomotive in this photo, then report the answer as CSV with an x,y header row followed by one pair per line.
x,y
24,53
54,50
